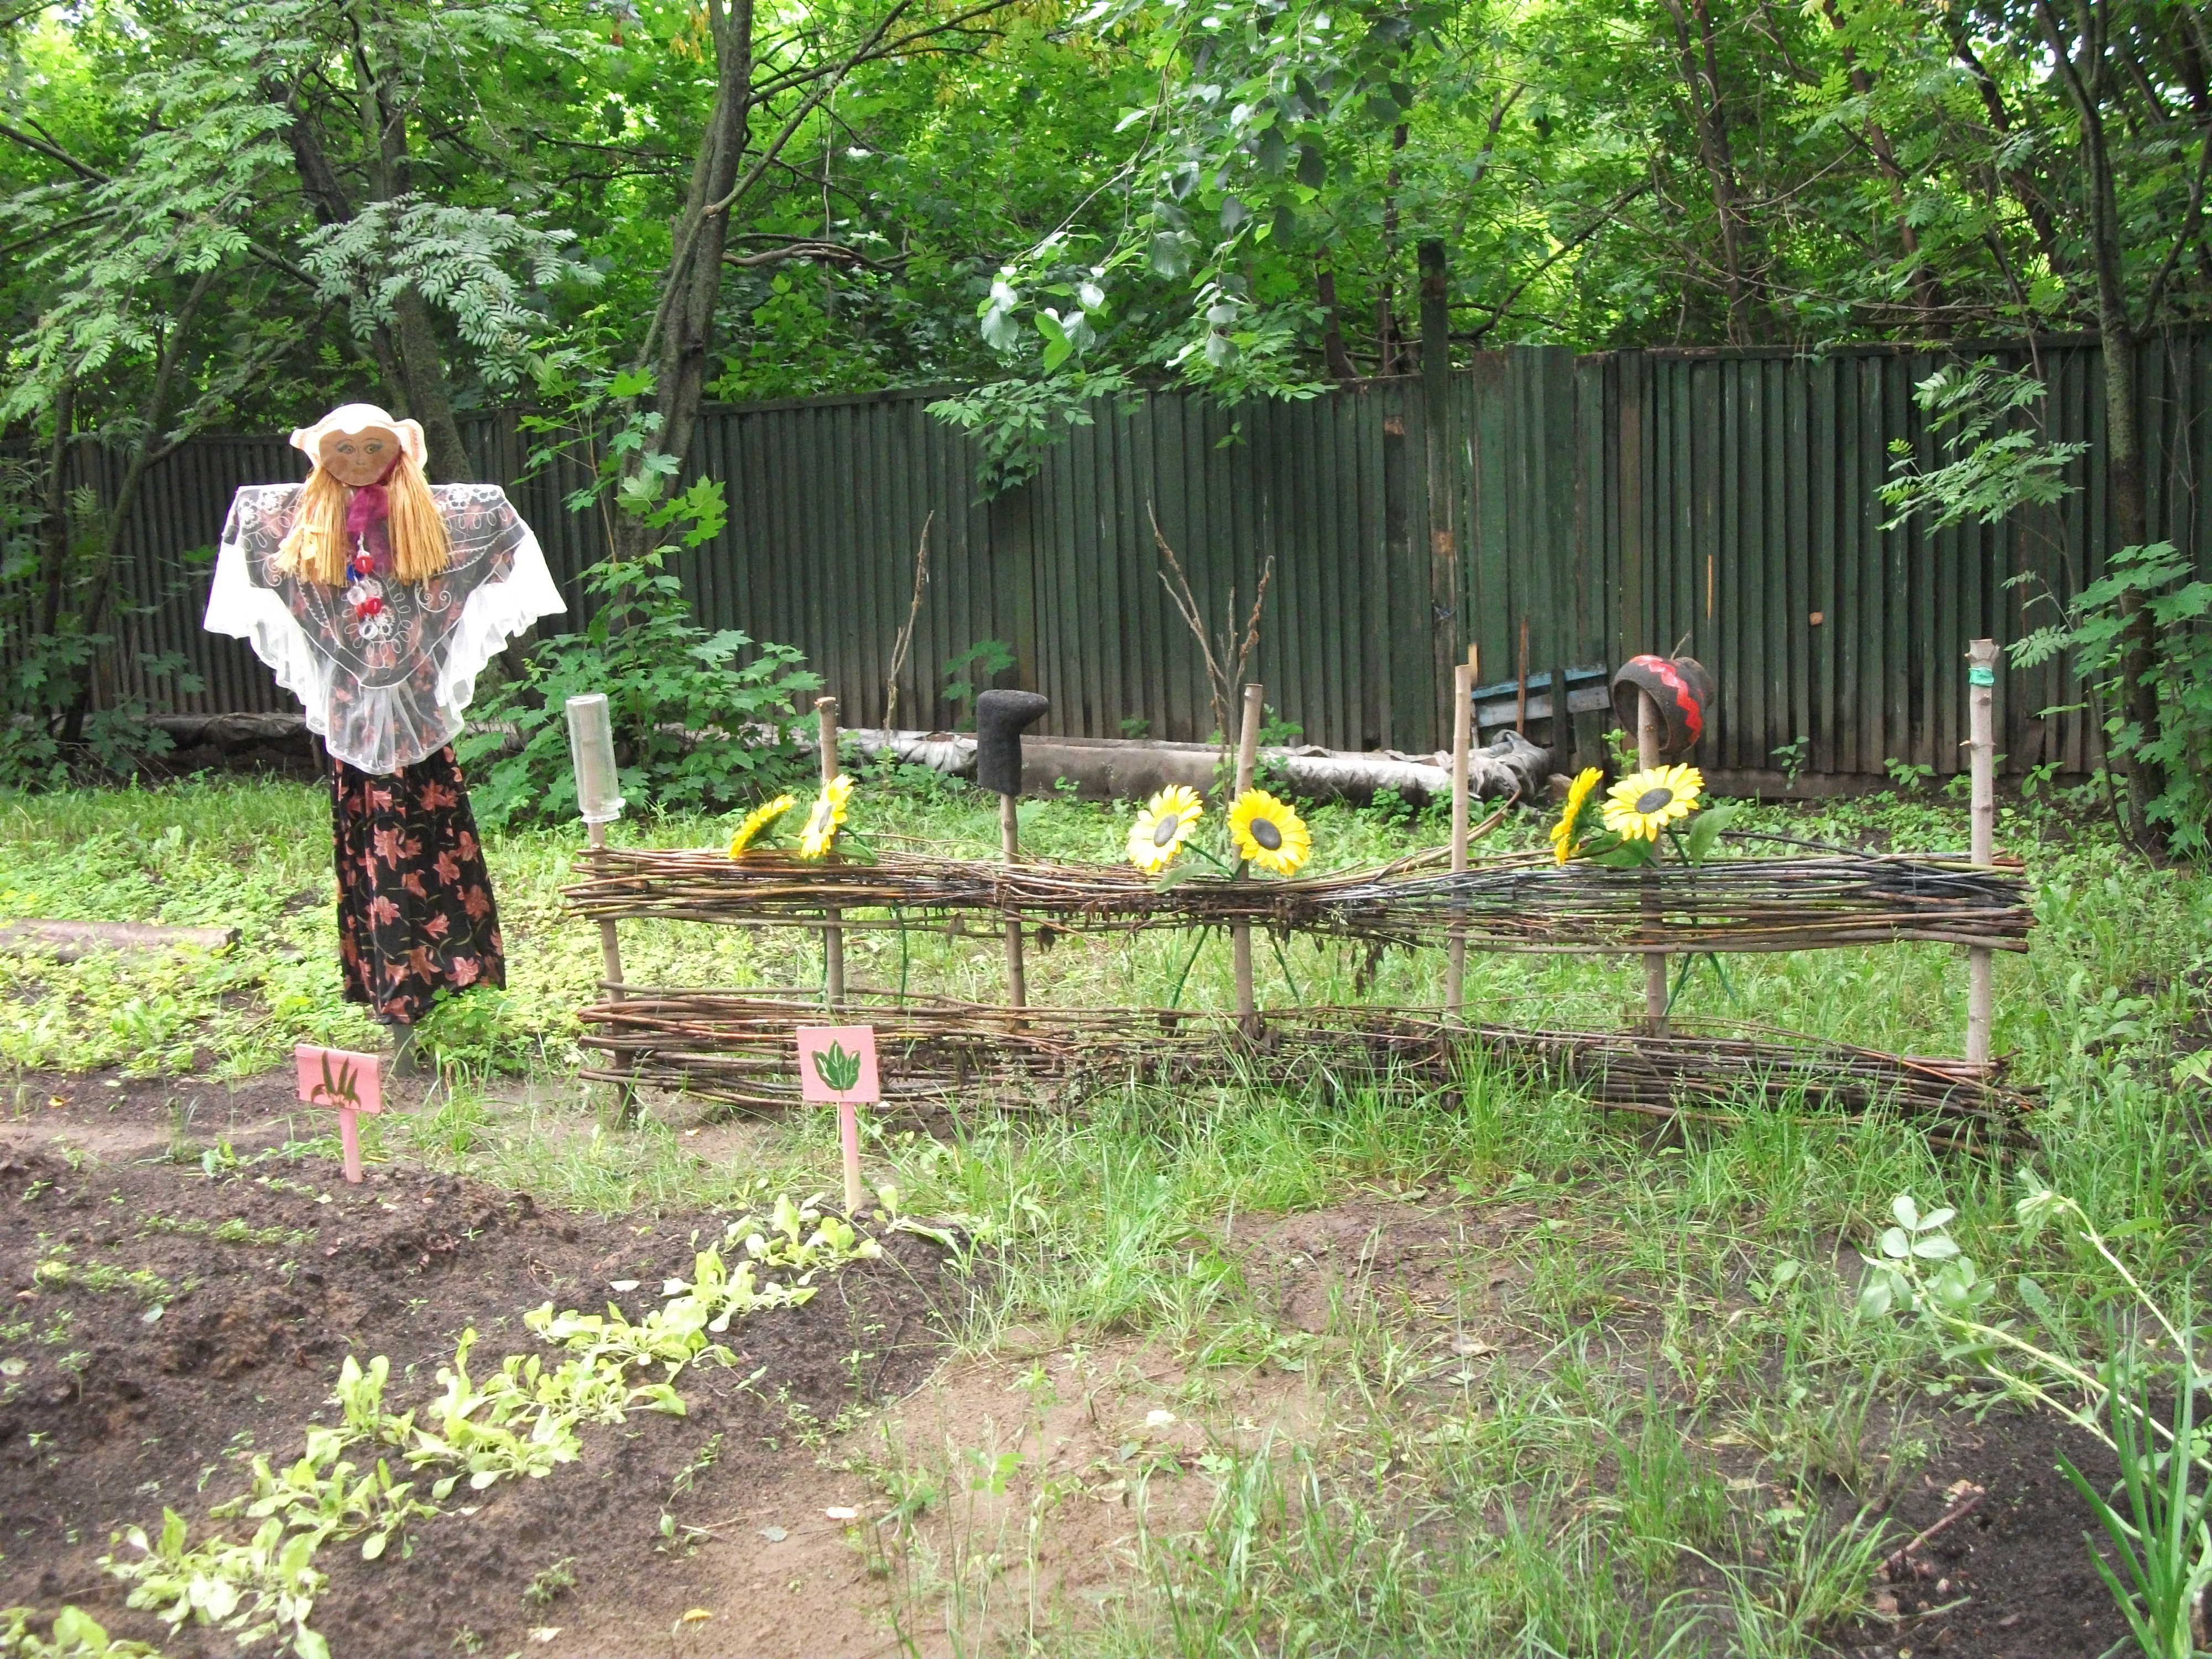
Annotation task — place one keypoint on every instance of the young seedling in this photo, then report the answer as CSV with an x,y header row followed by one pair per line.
x,y
351,1083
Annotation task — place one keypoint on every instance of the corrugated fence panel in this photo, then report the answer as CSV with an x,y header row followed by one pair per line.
x,y
1726,502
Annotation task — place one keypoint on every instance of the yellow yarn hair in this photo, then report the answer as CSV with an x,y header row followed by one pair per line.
x,y
316,544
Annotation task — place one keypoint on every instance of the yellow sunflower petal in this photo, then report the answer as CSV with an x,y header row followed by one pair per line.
x,y
1267,832
1563,832
825,817
1157,836
759,819
1644,803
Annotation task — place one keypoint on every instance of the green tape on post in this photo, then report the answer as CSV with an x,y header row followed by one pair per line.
x,y
1981,675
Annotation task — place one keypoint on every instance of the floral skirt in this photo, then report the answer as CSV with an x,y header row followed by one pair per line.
x,y
415,907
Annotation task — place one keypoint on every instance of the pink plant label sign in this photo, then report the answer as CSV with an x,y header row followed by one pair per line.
x,y
837,1063
350,1082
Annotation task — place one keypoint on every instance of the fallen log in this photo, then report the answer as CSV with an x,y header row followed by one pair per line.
x,y
66,941
1110,768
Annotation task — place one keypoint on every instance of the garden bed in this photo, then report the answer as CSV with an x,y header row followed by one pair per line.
x,y
164,1322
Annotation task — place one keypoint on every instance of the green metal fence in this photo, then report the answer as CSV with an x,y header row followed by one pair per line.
x,y
1592,506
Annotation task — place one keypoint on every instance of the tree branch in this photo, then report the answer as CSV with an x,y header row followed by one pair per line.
x,y
54,152
2187,233
1603,219
806,247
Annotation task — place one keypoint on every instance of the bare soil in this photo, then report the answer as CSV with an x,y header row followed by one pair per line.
x,y
108,1418
2009,1578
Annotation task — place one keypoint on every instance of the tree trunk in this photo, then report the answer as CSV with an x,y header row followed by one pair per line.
x,y
148,449
1341,368
1927,287
1389,338
2085,80
54,533
428,399
1701,80
421,362
693,281
2018,180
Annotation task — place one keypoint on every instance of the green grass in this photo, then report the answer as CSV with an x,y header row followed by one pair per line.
x,y
1671,1460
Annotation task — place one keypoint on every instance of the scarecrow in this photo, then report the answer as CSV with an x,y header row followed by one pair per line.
x,y
376,598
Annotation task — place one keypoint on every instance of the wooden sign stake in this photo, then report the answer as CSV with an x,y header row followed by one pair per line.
x,y
1981,725
833,932
1240,933
350,1082
837,1063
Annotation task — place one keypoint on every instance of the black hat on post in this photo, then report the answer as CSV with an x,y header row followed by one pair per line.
x,y
1679,686
1000,717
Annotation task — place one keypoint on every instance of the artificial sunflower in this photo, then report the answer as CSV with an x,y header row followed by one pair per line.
x,y
1269,833
1643,803
1157,836
1566,842
825,817
759,819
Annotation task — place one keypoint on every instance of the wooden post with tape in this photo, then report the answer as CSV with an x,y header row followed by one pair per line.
x,y
1010,849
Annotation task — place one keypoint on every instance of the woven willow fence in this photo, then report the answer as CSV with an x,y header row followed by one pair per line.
x,y
736,1046
1517,904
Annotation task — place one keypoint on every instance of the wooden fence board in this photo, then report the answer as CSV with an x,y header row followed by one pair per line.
x,y
1618,503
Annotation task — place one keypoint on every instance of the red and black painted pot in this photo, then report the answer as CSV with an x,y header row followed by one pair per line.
x,y
1683,689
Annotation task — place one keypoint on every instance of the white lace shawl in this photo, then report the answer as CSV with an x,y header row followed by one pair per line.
x,y
382,692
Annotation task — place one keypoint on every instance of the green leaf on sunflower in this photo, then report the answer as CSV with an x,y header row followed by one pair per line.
x,y
1706,829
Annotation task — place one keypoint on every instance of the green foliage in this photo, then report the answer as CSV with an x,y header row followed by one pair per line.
x,y
52,555
703,720
75,1635
1997,466
263,1587
519,1423
2165,584
2163,1538
969,673
1014,421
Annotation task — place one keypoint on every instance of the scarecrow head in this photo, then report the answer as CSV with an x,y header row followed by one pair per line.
x,y
367,499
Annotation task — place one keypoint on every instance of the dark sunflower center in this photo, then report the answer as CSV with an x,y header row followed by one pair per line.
x,y
1267,834
1653,800
1164,832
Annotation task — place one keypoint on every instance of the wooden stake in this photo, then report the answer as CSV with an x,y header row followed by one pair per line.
x,y
1521,708
833,935
1017,985
1981,697
610,947
1462,735
1240,933
611,968
1655,962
